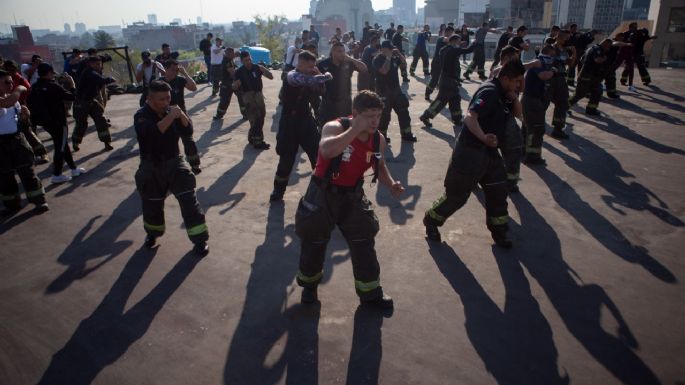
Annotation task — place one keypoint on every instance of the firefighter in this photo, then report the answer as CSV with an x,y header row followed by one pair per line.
x,y
581,43
475,159
398,40
226,91
534,103
590,76
179,81
613,62
478,61
421,51
558,87
15,153
48,109
297,126
388,88
337,100
348,147
436,68
162,168
86,104
248,79
637,38
448,93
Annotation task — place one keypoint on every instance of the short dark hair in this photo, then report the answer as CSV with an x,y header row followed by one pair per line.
x,y
521,28
455,37
4,73
337,44
8,65
210,34
573,25
450,28
306,56
548,49
170,62
159,86
400,26
513,69
305,31
555,28
508,51
367,100
550,41
244,54
165,45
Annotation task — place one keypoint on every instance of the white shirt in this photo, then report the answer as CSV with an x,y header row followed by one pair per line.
x,y
24,68
217,55
147,71
8,119
292,56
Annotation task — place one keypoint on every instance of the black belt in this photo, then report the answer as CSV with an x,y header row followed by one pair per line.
x,y
335,188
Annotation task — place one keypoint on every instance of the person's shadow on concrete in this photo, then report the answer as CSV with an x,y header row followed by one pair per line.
x,y
599,227
103,337
399,167
367,346
87,244
579,305
516,344
267,317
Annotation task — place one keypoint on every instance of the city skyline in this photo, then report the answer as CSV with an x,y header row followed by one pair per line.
x,y
49,15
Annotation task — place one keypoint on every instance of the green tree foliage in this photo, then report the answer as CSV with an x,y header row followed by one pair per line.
x,y
270,32
103,40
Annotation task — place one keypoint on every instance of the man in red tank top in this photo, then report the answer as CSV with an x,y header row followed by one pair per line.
x,y
348,148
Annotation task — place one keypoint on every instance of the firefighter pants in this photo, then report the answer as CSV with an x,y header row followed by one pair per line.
x,y
419,53
534,110
558,95
62,152
92,108
256,111
628,70
36,145
588,84
610,81
470,166
365,81
319,211
511,151
225,96
478,61
333,109
448,94
395,100
436,68
154,180
16,156
293,132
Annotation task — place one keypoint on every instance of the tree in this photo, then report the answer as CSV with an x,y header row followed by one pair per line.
x,y
86,40
103,40
270,30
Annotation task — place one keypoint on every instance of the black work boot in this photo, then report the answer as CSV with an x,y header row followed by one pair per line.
x,y
592,111
502,240
150,241
384,302
432,232
201,248
534,160
309,295
428,94
559,134
279,191
425,120
409,137
108,147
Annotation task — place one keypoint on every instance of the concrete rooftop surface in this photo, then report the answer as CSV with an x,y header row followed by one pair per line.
x,y
592,292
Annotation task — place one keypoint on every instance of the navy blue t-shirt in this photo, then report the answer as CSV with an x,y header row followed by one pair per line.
x,y
535,87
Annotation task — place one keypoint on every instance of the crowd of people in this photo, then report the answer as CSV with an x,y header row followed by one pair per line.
x,y
343,136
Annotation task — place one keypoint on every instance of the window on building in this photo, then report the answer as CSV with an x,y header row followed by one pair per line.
x,y
676,20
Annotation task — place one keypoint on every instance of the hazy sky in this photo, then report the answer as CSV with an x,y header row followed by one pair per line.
x,y
53,14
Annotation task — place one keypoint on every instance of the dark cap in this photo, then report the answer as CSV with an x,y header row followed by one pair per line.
x,y
387,44
44,69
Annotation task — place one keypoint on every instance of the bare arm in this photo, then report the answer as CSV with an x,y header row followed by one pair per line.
x,y
9,100
358,64
395,187
266,72
190,83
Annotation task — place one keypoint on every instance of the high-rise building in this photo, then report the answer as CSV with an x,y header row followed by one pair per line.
x,y
603,15
441,11
518,12
152,19
469,9
67,29
80,28
404,11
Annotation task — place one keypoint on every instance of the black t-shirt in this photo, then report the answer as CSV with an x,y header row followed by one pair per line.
x,y
503,40
397,41
206,47
46,102
389,33
391,80
488,103
449,57
154,144
438,46
178,85
250,79
226,76
89,84
516,42
341,85
534,86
